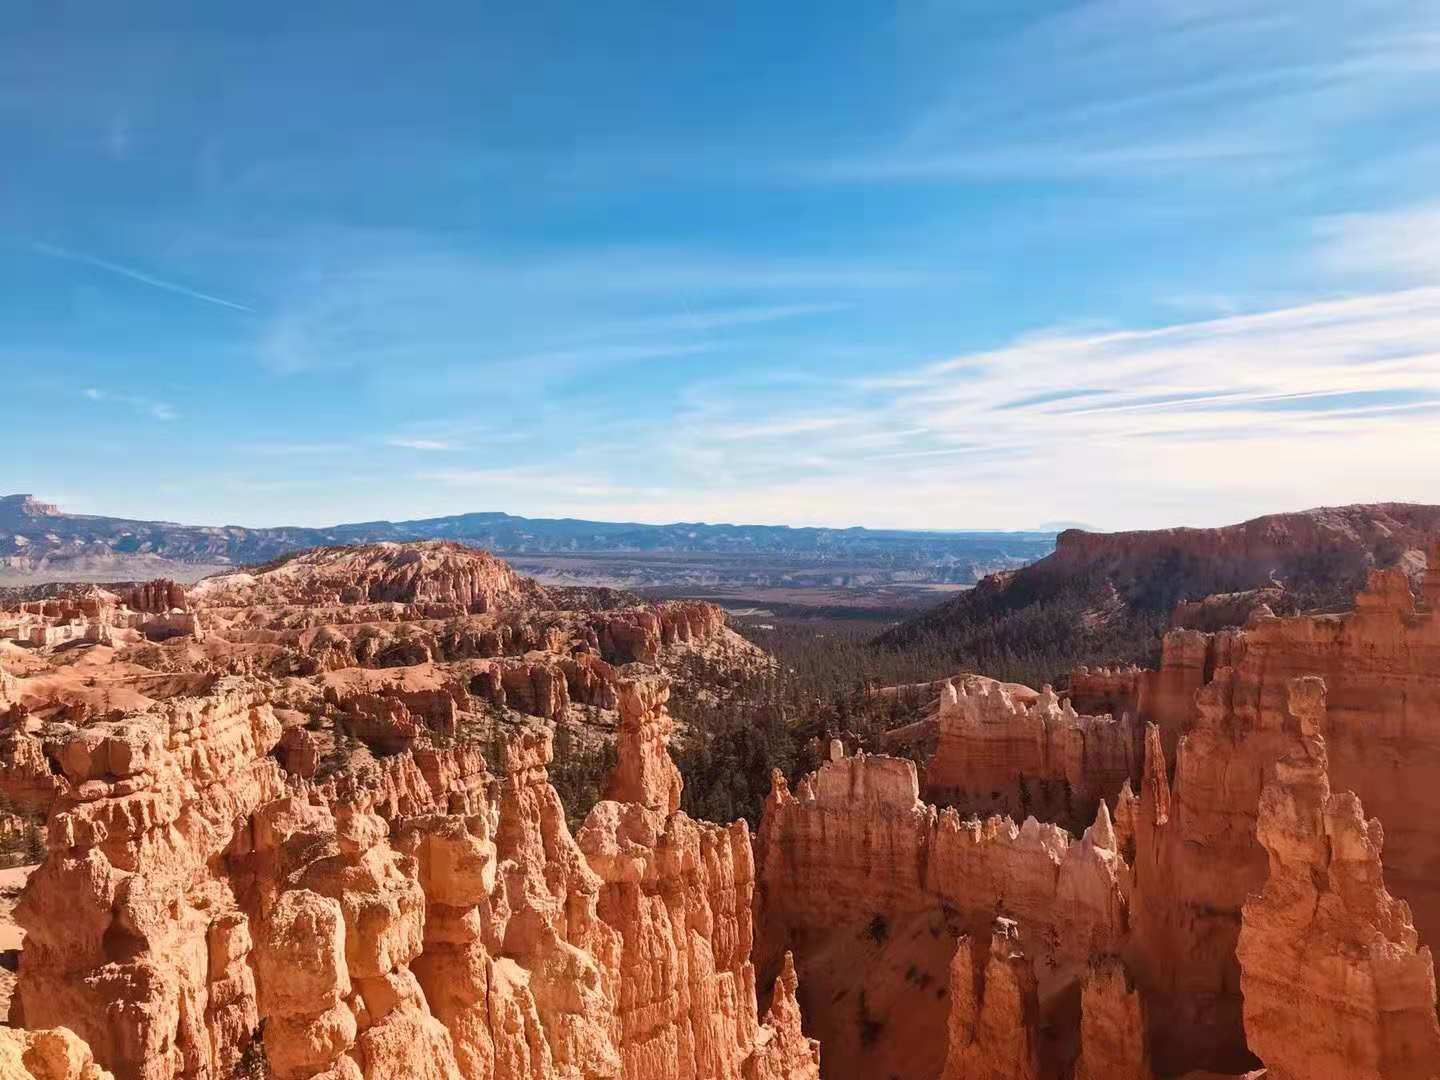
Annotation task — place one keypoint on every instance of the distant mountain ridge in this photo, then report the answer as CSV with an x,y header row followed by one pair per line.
x,y
40,542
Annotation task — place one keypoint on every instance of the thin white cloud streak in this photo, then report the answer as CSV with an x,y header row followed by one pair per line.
x,y
378,301
422,444
1056,160
55,252
702,320
801,425
1197,423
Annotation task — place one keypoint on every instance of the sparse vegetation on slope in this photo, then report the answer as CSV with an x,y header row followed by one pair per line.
x,y
1104,598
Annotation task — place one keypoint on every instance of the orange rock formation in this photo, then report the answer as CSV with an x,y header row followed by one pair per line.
x,y
1380,666
430,572
871,889
46,1055
321,874
322,838
1335,982
1001,753
993,1013
1214,922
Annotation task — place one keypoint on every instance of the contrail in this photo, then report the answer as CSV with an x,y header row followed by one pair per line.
x,y
134,275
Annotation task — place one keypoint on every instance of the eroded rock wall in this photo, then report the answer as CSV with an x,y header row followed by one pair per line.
x,y
1335,981
997,753
125,917
1381,667
1133,933
871,888
994,1011
419,917
46,1055
1114,1039
1164,697
641,634
429,572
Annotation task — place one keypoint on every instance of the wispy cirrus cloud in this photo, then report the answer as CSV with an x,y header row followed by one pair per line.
x,y
156,410
1126,90
1401,243
1307,404
54,251
422,444
375,300
806,300
697,320
782,428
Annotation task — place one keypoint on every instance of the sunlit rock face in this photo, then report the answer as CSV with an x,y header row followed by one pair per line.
x,y
1222,901
429,572
1380,667
56,1054
334,870
1335,981
1003,752
200,906
321,835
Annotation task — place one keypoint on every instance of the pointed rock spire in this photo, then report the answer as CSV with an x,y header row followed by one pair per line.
x,y
1102,833
1155,788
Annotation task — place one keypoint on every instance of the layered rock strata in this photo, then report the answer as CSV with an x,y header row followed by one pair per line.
x,y
862,880
1381,666
131,941
156,596
382,673
1114,1040
999,753
434,572
1335,981
350,861
994,1012
1132,935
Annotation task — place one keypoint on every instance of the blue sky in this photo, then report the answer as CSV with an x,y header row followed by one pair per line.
x,y
927,265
